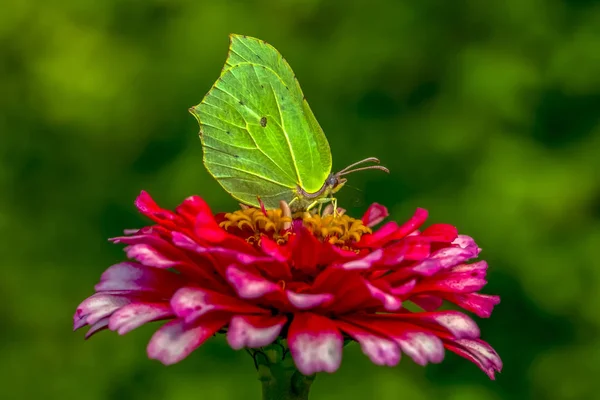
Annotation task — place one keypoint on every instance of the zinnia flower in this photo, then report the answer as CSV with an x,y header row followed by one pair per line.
x,y
309,282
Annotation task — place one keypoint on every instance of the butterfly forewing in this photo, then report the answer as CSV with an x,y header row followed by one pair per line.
x,y
259,135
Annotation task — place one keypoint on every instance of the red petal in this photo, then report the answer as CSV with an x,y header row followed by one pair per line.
x,y
135,315
374,215
305,250
98,326
306,301
465,278
191,303
479,352
480,304
427,302
380,350
146,205
455,323
379,237
249,286
315,343
440,233
134,277
363,263
271,248
254,330
97,307
175,340
418,343
412,224
467,242
191,268
348,288
389,301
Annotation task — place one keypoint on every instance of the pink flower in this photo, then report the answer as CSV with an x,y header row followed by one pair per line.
x,y
314,281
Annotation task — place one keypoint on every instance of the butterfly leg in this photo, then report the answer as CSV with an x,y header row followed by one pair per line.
x,y
322,201
312,205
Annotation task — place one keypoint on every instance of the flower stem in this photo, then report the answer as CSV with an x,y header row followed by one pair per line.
x,y
280,378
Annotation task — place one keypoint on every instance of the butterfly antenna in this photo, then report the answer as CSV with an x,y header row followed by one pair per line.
x,y
354,188
379,167
366,160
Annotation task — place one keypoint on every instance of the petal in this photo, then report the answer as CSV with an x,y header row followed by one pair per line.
x,y
479,352
315,343
363,263
79,321
427,302
175,340
380,350
417,342
148,255
305,301
422,347
305,249
465,278
99,306
254,330
440,233
97,327
191,303
467,242
206,228
348,288
412,248
456,323
379,237
331,254
442,259
419,217
272,249
404,288
135,315
139,278
157,252
374,215
247,285
191,207
219,256
480,304
389,302
148,207
185,242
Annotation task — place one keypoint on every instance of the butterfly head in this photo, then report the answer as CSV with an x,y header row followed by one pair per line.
x,y
304,200
336,181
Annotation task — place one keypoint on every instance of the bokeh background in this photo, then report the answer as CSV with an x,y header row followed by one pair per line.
x,y
486,112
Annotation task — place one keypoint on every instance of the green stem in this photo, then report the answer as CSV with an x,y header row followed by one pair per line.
x,y
280,378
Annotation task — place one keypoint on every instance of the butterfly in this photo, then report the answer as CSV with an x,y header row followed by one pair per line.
x,y
261,141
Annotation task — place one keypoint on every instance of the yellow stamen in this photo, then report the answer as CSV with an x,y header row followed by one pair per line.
x,y
340,230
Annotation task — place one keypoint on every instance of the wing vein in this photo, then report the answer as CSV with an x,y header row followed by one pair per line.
x,y
247,128
287,138
250,173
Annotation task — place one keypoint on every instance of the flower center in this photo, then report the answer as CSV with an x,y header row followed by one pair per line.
x,y
252,223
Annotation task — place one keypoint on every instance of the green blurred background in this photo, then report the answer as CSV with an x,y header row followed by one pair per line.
x,y
486,112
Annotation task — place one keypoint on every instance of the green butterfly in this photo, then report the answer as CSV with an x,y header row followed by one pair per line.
x,y
260,138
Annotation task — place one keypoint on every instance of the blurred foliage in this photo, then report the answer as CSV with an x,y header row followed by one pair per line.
x,y
486,112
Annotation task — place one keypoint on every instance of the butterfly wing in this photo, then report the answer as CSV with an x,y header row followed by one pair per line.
x,y
259,135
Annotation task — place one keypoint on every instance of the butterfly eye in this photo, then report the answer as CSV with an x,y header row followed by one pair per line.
x,y
332,180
